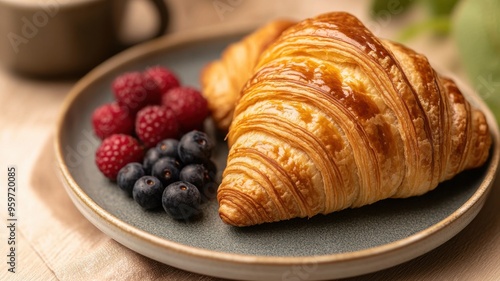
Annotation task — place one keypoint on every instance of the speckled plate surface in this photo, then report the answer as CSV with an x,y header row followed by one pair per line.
x,y
341,244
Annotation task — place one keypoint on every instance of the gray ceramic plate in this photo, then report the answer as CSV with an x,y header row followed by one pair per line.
x,y
341,244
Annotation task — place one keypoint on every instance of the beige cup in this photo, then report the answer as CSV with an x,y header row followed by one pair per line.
x,y
56,38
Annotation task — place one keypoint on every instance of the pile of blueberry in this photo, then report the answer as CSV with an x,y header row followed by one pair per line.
x,y
177,175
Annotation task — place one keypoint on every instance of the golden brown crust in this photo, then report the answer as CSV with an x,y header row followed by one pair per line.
x,y
334,117
234,69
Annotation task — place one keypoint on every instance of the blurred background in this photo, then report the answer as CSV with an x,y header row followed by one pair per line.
x,y
461,37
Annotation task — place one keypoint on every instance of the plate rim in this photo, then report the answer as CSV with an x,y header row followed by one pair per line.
x,y
223,31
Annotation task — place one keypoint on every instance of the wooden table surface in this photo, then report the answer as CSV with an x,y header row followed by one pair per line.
x,y
30,107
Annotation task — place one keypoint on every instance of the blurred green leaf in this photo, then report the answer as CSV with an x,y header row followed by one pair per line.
x,y
439,25
438,20
441,7
476,29
382,7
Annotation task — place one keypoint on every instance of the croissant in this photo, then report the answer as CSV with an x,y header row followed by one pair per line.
x,y
334,117
231,74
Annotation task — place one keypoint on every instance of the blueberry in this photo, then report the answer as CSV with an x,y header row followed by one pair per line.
x,y
152,155
128,175
195,148
181,200
168,147
195,174
211,169
209,191
166,169
148,192
165,148
200,177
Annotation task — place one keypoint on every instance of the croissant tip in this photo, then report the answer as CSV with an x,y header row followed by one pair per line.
x,y
226,219
230,215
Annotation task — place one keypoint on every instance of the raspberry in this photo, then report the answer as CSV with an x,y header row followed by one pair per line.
x,y
189,106
155,123
115,152
165,78
112,119
135,90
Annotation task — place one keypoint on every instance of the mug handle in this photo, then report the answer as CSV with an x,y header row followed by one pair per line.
x,y
163,16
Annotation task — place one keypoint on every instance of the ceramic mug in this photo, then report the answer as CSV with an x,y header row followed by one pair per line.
x,y
54,38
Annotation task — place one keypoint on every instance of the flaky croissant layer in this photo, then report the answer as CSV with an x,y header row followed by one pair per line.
x,y
334,117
